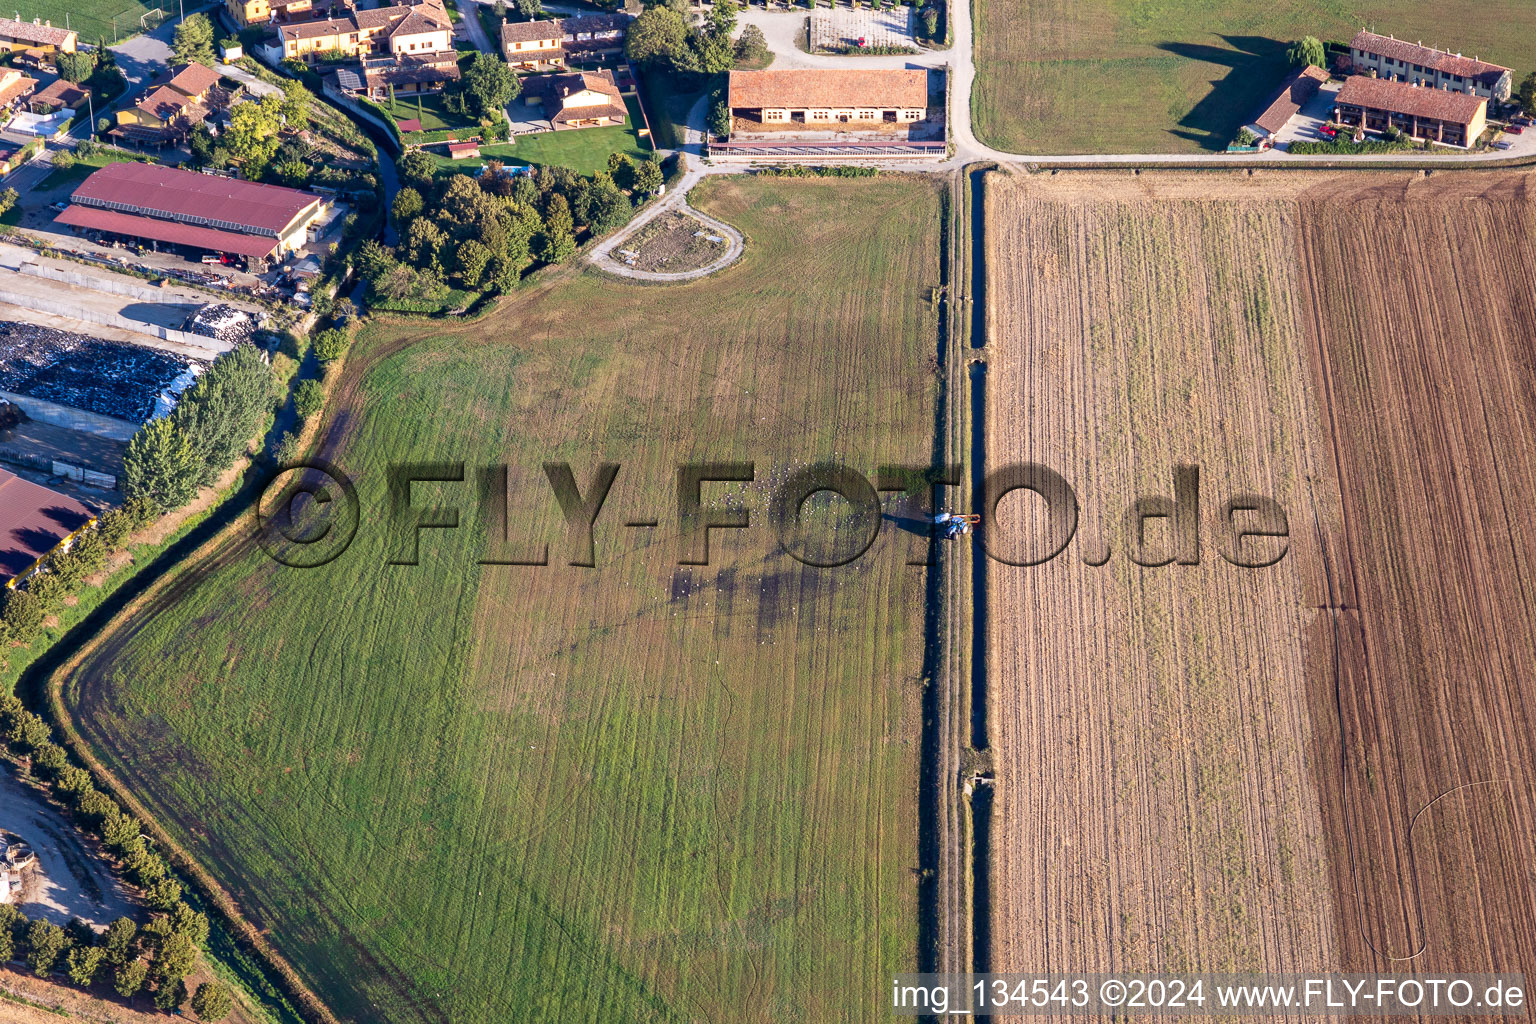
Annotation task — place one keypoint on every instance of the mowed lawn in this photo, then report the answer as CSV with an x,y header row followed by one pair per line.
x,y
92,19
635,792
1154,76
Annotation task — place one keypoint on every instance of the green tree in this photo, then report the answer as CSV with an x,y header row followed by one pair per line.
x,y
222,411
164,894
424,242
170,994
416,170
331,344
603,207
713,53
308,397
559,241
1306,50
191,923
63,159
406,206
7,939
76,66
129,978
486,87
174,959
1527,93
210,1002
162,465
930,22
84,962
470,261
648,177
722,19
720,118
752,46
8,200
659,36
295,106
118,941
193,42
46,943
527,10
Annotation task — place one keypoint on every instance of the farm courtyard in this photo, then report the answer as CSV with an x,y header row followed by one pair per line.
x,y
1131,76
644,791
1324,762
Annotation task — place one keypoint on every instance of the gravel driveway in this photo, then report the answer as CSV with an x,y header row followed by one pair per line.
x,y
71,879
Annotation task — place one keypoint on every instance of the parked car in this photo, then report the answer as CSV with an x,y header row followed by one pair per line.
x,y
1328,131
1502,145
1514,129
58,207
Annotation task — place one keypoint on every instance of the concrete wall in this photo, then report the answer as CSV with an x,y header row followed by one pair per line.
x,y
75,311
74,419
116,284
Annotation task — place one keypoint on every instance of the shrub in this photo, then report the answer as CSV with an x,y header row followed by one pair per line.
x,y
331,344
308,397
210,1002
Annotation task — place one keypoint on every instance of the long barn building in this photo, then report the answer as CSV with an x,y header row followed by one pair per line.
x,y
1439,115
193,211
830,98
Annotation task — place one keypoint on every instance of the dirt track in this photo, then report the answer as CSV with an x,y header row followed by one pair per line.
x,y
1174,792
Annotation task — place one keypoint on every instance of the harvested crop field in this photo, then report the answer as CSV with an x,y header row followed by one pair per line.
x,y
1210,767
642,791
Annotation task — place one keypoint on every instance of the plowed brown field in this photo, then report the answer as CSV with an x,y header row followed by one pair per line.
x,y
1320,764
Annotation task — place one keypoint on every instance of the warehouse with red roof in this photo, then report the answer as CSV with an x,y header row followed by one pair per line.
x,y
167,206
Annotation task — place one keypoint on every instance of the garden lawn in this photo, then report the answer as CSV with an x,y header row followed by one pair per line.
x,y
640,792
433,115
1155,76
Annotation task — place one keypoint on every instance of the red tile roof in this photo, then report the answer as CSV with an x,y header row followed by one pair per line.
x,y
1416,100
818,88
17,89
1300,86
33,520
458,149
26,32
133,226
529,31
192,198
193,79
1428,57
61,93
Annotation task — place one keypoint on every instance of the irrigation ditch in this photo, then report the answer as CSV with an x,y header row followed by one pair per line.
x,y
955,801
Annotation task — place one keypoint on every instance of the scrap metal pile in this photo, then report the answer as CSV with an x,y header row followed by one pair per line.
x,y
222,321
109,378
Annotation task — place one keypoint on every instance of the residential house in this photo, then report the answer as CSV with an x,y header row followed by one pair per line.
x,y
172,105
829,98
59,95
594,35
580,99
1299,87
14,88
35,35
1417,64
533,45
259,12
1440,115
380,77
401,30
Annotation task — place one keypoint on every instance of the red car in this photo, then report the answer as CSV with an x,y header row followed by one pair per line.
x,y
1514,129
1328,131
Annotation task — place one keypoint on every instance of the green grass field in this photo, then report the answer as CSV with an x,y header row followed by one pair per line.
x,y
584,150
93,19
427,108
1129,76
636,792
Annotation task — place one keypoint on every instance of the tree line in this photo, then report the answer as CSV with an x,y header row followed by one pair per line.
x,y
153,960
484,233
